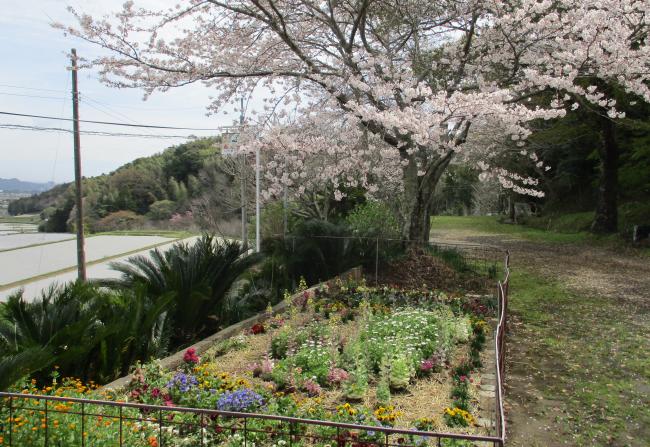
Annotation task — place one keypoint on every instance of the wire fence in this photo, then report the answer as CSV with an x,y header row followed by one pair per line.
x,y
384,260
134,424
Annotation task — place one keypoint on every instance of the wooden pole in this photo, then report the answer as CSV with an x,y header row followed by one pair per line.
x,y
81,255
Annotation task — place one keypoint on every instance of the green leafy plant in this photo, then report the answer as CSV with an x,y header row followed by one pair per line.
x,y
356,387
401,371
197,276
383,392
280,343
88,332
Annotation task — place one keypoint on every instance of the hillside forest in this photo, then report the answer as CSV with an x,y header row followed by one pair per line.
x,y
186,186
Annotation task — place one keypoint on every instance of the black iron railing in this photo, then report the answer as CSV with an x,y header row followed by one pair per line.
x,y
158,420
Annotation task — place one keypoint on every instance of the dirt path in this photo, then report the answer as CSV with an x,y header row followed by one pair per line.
x,y
578,365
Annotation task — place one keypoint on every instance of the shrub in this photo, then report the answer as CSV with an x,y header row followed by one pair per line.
x,y
119,221
162,210
314,250
373,219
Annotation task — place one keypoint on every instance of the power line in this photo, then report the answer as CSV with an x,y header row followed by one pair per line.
x,y
90,132
100,108
109,123
33,88
121,106
58,98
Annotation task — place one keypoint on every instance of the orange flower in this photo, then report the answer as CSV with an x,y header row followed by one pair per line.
x,y
153,441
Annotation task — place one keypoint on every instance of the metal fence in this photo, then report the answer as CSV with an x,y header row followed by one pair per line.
x,y
330,255
500,348
206,422
164,423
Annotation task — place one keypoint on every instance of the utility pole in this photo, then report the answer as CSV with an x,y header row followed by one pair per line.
x,y
81,255
244,217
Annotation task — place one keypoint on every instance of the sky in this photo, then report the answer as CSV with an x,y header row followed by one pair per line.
x,y
34,80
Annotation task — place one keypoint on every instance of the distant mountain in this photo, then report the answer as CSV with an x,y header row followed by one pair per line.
x,y
15,185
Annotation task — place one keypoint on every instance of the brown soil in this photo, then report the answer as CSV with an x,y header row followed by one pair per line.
x,y
420,270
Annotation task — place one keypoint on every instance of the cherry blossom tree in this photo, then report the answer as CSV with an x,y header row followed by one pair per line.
x,y
315,159
430,80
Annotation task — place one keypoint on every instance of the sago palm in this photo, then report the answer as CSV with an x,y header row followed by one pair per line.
x,y
197,276
60,327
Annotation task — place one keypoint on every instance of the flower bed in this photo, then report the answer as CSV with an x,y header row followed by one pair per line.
x,y
352,354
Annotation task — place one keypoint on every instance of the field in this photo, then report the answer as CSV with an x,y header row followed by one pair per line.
x,y
34,261
10,225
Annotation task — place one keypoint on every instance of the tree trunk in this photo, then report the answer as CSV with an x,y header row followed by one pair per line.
x,y
512,215
419,192
606,220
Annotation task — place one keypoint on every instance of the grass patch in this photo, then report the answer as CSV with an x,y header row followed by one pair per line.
x,y
174,234
562,223
466,264
491,225
25,219
587,352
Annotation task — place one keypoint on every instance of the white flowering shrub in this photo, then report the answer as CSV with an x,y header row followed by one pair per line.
x,y
415,333
462,329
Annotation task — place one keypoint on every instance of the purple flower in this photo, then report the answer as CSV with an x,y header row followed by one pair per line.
x,y
243,399
184,382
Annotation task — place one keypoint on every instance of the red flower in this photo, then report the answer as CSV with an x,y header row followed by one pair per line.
x,y
190,356
258,328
